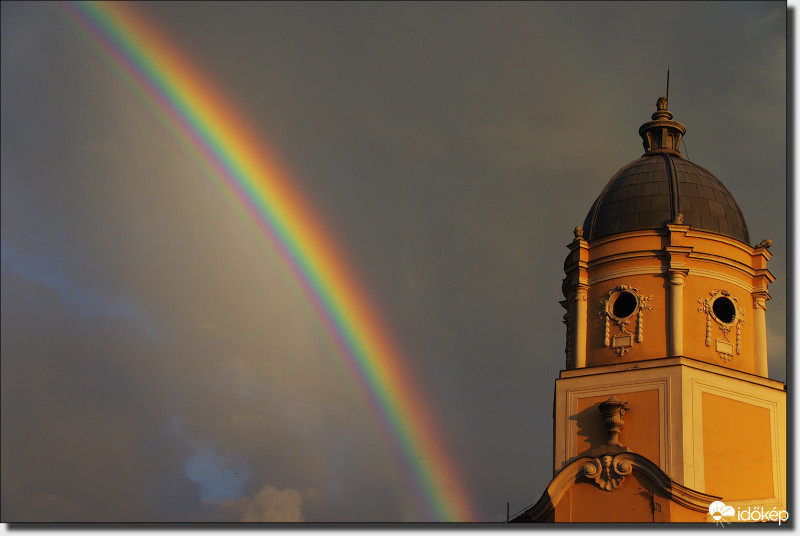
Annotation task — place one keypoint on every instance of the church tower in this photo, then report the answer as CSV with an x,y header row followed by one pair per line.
x,y
665,407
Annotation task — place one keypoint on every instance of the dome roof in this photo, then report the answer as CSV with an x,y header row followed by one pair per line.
x,y
660,187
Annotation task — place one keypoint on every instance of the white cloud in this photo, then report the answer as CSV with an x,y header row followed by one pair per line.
x,y
268,505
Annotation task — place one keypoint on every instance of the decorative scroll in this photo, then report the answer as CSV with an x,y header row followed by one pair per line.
x,y
722,309
607,471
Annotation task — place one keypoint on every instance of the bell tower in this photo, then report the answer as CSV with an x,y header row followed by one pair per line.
x,y
664,406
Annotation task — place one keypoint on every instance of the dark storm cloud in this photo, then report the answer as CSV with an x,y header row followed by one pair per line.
x,y
451,148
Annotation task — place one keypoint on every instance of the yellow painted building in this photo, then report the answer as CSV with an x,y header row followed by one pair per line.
x,y
665,407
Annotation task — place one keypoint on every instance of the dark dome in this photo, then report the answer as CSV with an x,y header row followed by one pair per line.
x,y
655,189
651,191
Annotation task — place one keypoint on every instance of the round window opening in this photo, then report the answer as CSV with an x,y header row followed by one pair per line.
x,y
724,310
625,305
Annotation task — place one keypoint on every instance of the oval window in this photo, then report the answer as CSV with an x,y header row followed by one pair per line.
x,y
724,309
625,305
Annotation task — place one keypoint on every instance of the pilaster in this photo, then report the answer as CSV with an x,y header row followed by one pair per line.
x,y
760,333
575,288
677,254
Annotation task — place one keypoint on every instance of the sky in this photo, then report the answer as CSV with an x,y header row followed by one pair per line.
x,y
161,361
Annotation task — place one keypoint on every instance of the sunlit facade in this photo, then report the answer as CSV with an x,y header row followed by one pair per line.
x,y
665,409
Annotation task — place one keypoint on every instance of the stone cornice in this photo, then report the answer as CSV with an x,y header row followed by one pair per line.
x,y
671,362
690,233
688,253
658,270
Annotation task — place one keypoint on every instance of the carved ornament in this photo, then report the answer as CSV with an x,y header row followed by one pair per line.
x,y
722,309
607,471
760,302
623,340
677,278
613,410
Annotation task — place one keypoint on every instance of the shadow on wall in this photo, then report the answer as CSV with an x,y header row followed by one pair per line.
x,y
591,427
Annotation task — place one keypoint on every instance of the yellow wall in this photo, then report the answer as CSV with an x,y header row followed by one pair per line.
x,y
737,449
636,500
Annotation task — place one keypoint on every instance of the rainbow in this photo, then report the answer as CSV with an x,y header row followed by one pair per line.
x,y
200,116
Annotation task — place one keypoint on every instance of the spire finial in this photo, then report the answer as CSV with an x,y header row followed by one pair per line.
x,y
667,97
662,134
